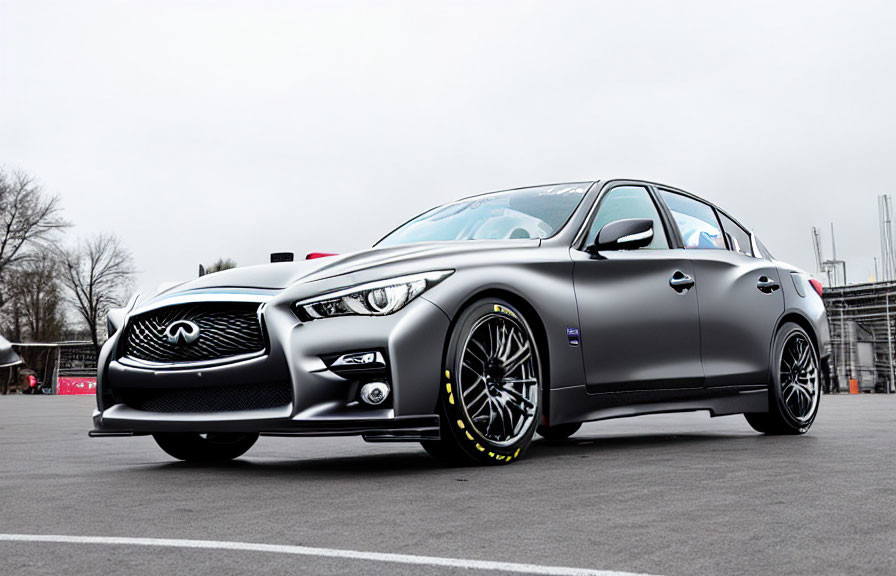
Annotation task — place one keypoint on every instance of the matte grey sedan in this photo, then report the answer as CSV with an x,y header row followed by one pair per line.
x,y
475,325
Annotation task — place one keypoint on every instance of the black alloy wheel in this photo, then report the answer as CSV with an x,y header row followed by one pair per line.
x,y
489,401
795,390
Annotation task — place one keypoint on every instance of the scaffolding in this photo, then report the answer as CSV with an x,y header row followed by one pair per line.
x,y
863,335
834,270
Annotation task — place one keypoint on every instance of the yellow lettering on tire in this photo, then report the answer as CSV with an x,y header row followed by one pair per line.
x,y
503,310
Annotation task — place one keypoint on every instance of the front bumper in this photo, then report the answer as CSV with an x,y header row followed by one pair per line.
x,y
323,402
125,421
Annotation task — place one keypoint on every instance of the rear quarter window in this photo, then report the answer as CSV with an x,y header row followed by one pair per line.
x,y
738,238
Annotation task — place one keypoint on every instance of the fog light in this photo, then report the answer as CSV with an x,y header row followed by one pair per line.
x,y
374,393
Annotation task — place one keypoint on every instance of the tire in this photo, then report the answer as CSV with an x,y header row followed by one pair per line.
x,y
558,433
192,447
490,394
795,388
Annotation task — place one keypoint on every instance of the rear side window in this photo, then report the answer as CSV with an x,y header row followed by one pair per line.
x,y
696,222
625,202
738,238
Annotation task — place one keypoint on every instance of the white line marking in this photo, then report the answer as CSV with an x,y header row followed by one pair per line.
x,y
324,552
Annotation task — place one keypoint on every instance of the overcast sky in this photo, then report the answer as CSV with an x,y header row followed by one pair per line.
x,y
198,130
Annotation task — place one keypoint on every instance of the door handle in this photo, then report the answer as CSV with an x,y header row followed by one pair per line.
x,y
681,282
767,285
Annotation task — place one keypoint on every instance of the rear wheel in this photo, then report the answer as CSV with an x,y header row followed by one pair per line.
x,y
559,432
489,397
193,447
795,390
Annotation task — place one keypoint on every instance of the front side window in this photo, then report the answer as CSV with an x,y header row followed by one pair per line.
x,y
696,222
625,202
738,238
537,212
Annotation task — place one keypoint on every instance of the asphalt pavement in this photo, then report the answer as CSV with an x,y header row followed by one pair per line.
x,y
678,494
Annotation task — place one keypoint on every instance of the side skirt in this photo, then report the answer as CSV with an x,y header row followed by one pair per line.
x,y
567,403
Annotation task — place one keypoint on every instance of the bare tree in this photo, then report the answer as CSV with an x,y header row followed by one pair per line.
x,y
28,217
34,309
97,273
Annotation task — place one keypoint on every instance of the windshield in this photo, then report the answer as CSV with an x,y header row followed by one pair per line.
x,y
537,212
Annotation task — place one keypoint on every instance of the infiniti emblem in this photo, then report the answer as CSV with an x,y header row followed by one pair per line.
x,y
182,332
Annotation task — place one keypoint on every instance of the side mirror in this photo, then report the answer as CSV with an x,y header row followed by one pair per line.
x,y
629,234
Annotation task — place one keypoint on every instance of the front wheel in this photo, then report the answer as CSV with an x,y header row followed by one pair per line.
x,y
489,396
795,389
193,447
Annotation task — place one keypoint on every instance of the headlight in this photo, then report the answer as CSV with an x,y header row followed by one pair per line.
x,y
370,299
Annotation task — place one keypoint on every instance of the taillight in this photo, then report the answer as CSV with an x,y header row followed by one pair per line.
x,y
817,285
316,255
32,381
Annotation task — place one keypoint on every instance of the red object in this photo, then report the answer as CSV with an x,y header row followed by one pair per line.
x,y
817,285
67,386
314,255
32,381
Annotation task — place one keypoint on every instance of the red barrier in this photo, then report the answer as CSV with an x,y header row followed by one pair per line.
x,y
69,385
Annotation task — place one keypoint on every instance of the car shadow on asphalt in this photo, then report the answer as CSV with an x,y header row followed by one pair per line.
x,y
625,442
367,464
415,461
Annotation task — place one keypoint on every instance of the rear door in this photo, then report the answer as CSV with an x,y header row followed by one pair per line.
x,y
637,310
739,295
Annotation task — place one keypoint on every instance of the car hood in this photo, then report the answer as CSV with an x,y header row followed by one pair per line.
x,y
285,274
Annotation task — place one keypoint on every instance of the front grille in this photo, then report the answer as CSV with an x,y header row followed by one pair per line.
x,y
213,399
225,329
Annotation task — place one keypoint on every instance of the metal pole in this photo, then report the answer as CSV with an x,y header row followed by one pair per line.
x,y
835,379
883,250
833,244
888,234
889,344
56,379
843,351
